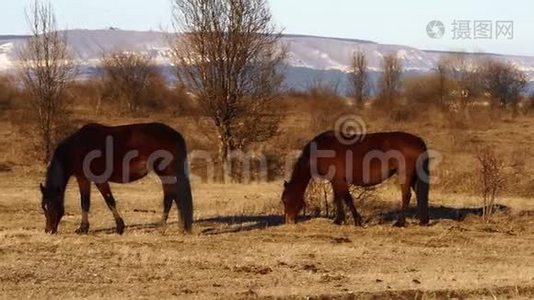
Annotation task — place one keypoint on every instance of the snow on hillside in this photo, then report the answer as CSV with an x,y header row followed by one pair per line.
x,y
6,62
315,55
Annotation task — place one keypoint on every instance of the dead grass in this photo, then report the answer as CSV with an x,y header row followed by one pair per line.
x,y
240,249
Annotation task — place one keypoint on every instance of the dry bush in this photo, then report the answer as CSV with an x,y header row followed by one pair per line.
x,y
425,89
320,199
324,105
362,195
178,100
126,79
133,83
9,93
491,180
465,74
404,112
504,82
85,95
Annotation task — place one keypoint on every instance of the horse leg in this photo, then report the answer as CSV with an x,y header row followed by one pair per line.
x,y
339,194
420,188
85,197
169,194
406,196
110,201
358,221
340,211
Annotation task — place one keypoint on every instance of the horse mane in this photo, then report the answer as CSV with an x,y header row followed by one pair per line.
x,y
301,167
57,173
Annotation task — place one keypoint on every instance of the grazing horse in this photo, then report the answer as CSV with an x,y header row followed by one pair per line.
x,y
100,154
366,161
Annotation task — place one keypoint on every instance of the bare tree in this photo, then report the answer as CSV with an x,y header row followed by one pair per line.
x,y
443,73
227,52
504,82
46,68
359,77
465,74
390,83
126,78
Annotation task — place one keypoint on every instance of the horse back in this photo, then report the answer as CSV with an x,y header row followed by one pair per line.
x,y
135,143
127,137
380,141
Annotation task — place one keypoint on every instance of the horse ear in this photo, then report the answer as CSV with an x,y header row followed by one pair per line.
x,y
286,183
43,189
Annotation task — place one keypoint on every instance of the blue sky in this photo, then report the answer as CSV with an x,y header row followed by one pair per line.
x,y
393,22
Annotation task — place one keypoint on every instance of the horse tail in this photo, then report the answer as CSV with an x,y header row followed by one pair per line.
x,y
184,200
422,187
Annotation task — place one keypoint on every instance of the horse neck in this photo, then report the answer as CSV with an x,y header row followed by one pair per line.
x,y
301,176
58,173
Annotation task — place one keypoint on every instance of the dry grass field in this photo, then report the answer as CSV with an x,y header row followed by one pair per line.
x,y
241,249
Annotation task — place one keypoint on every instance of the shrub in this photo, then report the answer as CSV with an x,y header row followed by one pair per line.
x,y
491,180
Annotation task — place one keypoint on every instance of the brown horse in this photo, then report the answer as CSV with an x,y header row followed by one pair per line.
x,y
366,161
100,154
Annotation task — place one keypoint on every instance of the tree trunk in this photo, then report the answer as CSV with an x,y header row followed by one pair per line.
x,y
225,146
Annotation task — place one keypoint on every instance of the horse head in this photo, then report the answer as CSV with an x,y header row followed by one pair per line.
x,y
293,203
52,204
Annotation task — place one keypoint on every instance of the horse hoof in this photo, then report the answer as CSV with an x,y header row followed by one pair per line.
x,y
400,224
339,222
424,223
120,226
162,227
84,229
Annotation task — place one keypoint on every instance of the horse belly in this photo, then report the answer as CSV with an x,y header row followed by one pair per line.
x,y
132,171
372,174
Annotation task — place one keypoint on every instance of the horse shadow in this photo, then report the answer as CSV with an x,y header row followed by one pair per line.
x,y
146,226
218,225
444,212
243,223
